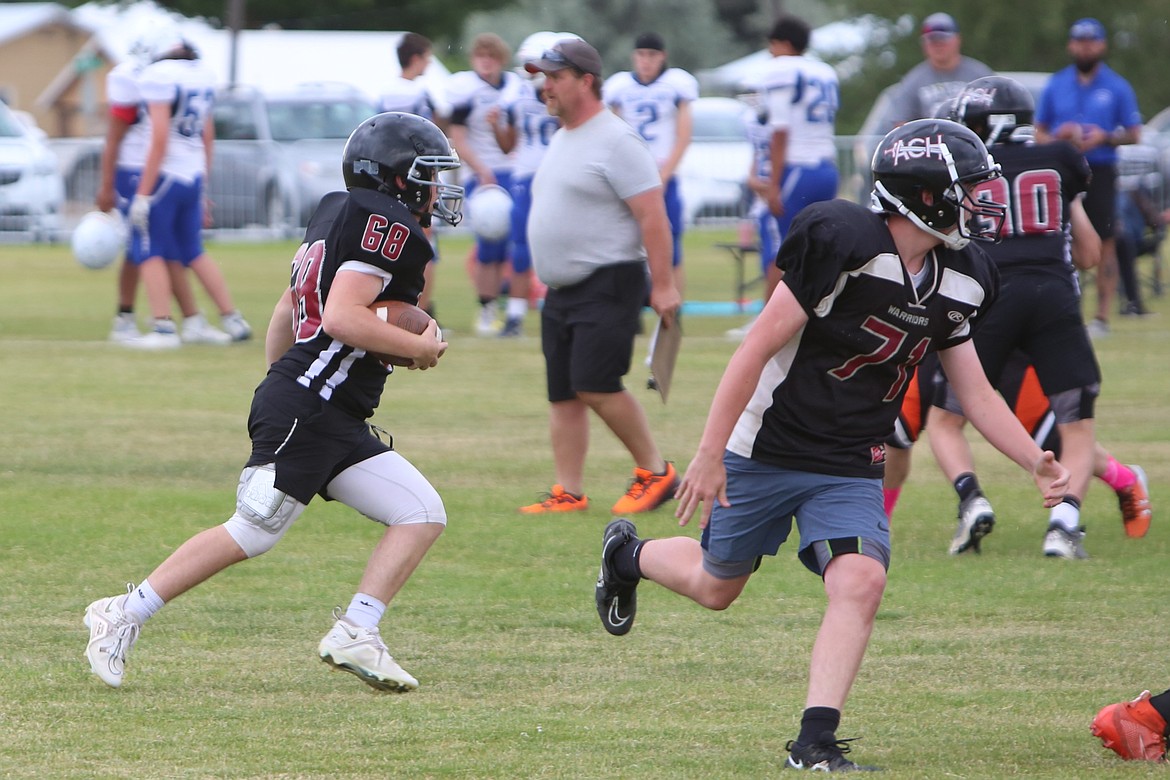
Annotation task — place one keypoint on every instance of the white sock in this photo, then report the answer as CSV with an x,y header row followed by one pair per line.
x,y
1066,516
517,308
365,610
142,602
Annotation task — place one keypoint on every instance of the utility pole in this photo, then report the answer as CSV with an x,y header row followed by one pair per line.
x,y
235,18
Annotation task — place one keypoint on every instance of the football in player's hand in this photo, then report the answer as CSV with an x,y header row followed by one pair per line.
x,y
401,315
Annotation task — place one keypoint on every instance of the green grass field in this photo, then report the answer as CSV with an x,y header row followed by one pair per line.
x,y
979,667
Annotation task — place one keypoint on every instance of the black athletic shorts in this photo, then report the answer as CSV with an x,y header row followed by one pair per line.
x,y
1101,199
309,439
1039,314
587,331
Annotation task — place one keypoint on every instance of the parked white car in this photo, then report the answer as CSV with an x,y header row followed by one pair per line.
x,y
32,192
713,173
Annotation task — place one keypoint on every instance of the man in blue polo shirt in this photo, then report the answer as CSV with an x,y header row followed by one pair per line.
x,y
1094,108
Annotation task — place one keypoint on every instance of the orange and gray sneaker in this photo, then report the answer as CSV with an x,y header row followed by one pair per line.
x,y
647,491
1133,730
558,500
1135,504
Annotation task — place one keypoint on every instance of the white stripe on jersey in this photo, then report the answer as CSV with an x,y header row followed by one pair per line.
x,y
743,435
884,266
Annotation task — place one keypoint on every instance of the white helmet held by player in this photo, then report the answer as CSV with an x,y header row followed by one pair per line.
x,y
99,239
489,210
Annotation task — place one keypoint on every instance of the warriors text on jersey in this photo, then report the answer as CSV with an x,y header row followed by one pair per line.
x,y
365,231
1038,183
828,400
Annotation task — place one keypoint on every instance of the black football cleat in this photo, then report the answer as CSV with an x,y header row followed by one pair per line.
x,y
827,754
617,599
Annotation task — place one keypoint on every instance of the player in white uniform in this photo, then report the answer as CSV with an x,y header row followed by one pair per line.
x,y
528,128
408,94
124,153
476,97
166,209
801,95
655,100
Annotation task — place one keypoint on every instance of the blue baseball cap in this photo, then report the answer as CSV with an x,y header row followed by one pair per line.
x,y
1087,29
940,24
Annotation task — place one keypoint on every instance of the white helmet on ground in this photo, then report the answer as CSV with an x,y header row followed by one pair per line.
x,y
489,211
99,239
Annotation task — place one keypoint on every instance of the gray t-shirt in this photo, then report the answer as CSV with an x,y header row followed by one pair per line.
x,y
923,88
579,220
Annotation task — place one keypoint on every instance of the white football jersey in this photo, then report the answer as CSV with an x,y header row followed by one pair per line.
x,y
652,109
122,92
534,129
188,87
409,96
801,96
471,97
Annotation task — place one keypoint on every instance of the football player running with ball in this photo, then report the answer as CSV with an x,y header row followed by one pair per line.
x,y
308,422
797,425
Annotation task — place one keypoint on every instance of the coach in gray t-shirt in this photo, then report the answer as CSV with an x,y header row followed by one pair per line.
x,y
580,220
597,221
941,76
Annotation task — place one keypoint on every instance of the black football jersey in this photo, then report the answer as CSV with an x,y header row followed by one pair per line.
x,y
360,226
1038,183
828,400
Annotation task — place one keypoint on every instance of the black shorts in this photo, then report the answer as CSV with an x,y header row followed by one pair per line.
x,y
1039,314
1101,199
587,331
310,440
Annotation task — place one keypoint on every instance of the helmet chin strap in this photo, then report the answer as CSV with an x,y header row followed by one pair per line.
x,y
954,239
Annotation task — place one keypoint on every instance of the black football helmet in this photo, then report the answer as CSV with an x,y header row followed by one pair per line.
x,y
925,171
401,155
946,109
998,109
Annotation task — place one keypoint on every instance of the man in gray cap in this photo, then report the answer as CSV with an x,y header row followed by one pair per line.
x,y
597,220
940,76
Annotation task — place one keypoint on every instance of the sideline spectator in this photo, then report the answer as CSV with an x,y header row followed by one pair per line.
x,y
940,76
477,97
1095,109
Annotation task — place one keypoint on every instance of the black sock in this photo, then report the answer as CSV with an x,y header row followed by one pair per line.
x,y
966,485
815,722
125,309
1161,703
484,300
625,560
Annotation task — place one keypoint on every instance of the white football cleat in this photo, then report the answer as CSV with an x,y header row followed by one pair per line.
x,y
155,340
197,330
125,328
111,635
361,652
236,326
